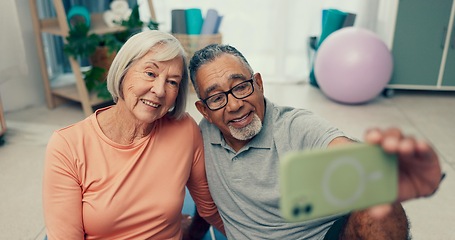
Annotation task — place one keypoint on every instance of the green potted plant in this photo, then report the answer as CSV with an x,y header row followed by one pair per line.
x,y
133,25
98,49
101,49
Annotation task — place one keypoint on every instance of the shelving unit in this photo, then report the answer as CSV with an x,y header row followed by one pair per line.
x,y
59,26
2,120
423,48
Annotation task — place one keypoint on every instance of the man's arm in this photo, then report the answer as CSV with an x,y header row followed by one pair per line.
x,y
362,225
419,176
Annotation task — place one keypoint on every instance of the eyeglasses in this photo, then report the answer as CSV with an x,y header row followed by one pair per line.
x,y
239,91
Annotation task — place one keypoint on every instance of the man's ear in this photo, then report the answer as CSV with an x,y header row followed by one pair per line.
x,y
203,110
258,80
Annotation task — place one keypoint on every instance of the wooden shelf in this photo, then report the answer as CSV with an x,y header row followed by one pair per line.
x,y
70,92
58,26
97,25
2,120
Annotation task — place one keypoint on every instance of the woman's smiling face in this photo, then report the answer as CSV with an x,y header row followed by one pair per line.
x,y
150,87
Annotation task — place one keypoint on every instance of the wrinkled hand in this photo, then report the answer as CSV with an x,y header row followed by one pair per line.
x,y
419,168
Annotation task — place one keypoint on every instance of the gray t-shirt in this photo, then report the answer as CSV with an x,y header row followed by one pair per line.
x,y
244,185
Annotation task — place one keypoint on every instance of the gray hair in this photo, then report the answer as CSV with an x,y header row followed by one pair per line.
x,y
210,53
137,47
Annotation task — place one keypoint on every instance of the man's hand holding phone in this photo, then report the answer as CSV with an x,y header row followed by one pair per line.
x,y
388,168
336,180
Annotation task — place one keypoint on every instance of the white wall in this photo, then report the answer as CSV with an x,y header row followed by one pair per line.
x,y
20,78
272,35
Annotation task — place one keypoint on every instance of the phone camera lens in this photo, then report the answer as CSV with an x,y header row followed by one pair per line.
x,y
308,209
296,211
305,209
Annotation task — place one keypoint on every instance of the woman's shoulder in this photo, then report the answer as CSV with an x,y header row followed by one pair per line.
x,y
76,126
77,129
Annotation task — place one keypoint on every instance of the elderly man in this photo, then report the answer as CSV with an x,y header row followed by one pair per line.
x,y
245,135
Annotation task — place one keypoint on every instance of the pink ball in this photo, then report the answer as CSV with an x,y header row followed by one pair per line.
x,y
353,65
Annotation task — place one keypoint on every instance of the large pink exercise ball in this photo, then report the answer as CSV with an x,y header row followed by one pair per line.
x,y
353,65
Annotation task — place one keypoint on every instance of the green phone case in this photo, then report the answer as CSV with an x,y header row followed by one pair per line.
x,y
336,180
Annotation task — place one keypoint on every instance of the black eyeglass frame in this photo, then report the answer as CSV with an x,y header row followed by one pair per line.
x,y
230,92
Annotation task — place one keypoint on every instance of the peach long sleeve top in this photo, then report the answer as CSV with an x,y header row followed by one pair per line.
x,y
94,188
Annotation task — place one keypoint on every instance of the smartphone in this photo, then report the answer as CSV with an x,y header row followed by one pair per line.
x,y
335,180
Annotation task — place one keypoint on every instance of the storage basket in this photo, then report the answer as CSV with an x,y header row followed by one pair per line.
x,y
192,43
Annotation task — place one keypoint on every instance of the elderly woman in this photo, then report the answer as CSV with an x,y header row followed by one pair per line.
x,y
121,172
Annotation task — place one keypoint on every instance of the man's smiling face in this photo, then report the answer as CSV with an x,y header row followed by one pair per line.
x,y
240,119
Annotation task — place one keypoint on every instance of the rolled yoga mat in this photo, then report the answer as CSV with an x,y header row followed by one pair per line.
x,y
194,21
333,20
